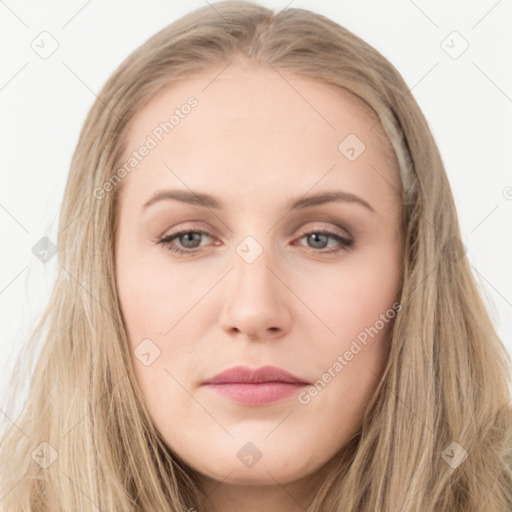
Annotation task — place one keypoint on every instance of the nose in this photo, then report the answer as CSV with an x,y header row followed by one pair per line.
x,y
257,301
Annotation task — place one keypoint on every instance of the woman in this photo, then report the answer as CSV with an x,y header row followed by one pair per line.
x,y
355,371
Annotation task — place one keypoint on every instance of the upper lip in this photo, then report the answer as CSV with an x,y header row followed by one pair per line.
x,y
262,374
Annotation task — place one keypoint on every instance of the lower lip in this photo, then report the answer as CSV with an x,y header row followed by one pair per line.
x,y
261,393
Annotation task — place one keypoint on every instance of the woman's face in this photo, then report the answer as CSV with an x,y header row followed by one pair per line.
x,y
263,285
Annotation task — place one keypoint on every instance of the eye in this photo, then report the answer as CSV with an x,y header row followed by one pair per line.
x,y
191,240
320,237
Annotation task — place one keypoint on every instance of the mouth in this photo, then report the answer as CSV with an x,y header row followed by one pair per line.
x,y
261,386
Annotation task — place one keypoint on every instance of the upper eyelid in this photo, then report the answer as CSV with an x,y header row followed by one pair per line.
x,y
212,232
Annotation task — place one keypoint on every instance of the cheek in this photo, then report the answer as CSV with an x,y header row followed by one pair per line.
x,y
152,307
356,304
140,304
355,296
161,307
350,360
151,295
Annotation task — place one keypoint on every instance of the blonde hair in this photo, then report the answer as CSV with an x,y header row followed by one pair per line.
x,y
446,379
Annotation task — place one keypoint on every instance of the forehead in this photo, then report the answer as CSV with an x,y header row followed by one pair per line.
x,y
255,129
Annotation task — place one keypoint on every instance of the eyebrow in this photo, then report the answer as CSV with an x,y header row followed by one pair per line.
x,y
209,201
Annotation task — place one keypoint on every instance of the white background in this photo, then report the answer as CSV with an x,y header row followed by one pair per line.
x,y
43,103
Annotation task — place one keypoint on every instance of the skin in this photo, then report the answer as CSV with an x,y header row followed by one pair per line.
x,y
257,144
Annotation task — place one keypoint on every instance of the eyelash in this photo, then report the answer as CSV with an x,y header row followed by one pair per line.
x,y
166,241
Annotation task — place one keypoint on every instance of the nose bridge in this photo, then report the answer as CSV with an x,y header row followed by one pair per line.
x,y
254,280
256,298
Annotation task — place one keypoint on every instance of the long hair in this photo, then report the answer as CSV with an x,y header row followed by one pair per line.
x,y
437,433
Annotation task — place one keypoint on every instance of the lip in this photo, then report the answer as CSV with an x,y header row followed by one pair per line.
x,y
244,374
259,386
